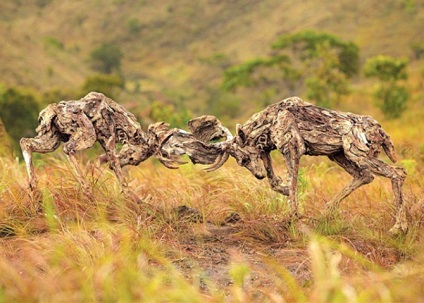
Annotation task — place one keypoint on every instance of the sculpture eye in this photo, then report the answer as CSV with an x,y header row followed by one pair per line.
x,y
245,161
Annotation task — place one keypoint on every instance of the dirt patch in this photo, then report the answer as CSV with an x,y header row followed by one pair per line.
x,y
209,251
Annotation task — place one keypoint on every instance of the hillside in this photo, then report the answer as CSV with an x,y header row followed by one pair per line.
x,y
178,49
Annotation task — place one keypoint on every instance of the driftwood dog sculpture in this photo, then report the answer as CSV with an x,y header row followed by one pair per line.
x,y
80,123
297,128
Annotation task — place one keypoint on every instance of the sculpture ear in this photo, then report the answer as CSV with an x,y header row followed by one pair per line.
x,y
240,134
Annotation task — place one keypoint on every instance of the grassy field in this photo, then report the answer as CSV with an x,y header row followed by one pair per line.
x,y
204,237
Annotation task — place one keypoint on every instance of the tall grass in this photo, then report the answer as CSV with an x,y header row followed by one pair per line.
x,y
73,249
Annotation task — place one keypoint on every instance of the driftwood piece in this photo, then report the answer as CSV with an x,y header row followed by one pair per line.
x,y
96,118
182,142
297,128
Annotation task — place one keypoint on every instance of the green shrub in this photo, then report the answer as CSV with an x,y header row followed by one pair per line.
x,y
392,97
109,85
394,100
53,43
134,26
169,113
106,58
6,144
19,112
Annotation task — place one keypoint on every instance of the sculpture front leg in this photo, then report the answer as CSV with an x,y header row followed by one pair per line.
x,y
275,181
289,141
293,168
279,186
27,154
41,144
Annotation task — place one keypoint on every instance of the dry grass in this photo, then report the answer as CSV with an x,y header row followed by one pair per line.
x,y
211,237
235,245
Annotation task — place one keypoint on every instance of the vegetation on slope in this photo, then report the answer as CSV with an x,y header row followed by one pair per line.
x,y
178,51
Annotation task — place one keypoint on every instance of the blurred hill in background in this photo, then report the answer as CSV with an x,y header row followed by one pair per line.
x,y
174,53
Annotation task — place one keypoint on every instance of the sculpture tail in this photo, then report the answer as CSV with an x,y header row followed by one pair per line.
x,y
388,146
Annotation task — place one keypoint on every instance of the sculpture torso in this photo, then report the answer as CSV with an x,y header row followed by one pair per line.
x,y
323,131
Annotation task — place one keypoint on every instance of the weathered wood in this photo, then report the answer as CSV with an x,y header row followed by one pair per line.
x,y
298,128
96,118
292,126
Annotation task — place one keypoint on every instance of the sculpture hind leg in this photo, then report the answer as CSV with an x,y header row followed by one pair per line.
x,y
112,157
397,176
360,177
106,136
109,147
83,137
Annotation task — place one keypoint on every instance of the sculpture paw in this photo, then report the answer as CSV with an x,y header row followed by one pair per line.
x,y
36,195
330,212
282,189
278,185
130,195
294,215
399,229
331,207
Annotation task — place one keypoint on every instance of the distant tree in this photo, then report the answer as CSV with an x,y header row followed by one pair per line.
x,y
418,50
386,68
106,58
43,3
251,73
328,81
320,61
109,85
307,45
223,104
392,96
19,113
